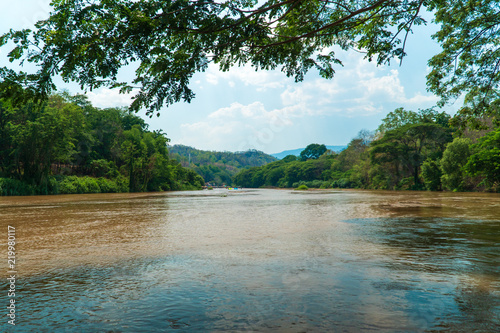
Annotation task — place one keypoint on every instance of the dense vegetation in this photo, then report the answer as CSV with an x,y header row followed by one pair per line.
x,y
291,171
218,168
48,140
410,151
69,146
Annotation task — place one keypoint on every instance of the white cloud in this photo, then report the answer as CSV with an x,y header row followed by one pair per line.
x,y
239,127
246,75
253,110
420,99
360,89
295,94
388,86
107,98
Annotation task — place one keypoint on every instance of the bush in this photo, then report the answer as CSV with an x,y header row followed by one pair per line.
x,y
408,184
107,185
302,188
121,184
315,183
10,186
342,183
78,185
67,185
325,185
91,185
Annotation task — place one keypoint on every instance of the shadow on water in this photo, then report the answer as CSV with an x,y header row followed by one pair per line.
x,y
455,260
430,275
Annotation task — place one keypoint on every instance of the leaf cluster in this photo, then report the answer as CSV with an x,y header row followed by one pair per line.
x,y
167,41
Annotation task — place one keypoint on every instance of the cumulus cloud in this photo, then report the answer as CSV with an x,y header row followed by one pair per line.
x,y
239,127
361,89
247,75
420,99
388,87
107,98
253,110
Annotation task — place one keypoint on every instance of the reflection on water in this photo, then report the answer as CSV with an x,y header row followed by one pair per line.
x,y
261,260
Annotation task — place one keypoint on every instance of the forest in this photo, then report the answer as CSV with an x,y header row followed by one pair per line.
x,y
424,150
67,146
48,139
218,168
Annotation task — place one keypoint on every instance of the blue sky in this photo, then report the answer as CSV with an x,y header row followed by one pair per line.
x,y
244,109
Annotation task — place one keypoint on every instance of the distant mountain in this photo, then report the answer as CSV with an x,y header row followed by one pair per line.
x,y
218,167
297,152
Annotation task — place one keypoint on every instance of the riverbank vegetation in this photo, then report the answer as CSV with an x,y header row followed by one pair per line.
x,y
424,150
68,146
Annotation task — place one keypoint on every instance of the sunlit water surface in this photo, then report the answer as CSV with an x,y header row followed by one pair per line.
x,y
257,260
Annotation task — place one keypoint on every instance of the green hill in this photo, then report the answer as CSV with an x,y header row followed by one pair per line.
x,y
217,167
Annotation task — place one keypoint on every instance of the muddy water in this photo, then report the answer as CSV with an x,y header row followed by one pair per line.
x,y
257,260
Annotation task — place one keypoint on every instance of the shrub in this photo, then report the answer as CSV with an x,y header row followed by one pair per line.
x,y
10,186
80,185
325,185
91,185
315,183
302,188
67,185
107,185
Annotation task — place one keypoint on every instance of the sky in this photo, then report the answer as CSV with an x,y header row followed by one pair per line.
x,y
243,109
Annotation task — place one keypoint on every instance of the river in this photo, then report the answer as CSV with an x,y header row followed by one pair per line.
x,y
255,261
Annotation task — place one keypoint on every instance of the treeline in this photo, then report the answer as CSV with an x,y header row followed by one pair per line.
x,y
68,146
422,150
218,168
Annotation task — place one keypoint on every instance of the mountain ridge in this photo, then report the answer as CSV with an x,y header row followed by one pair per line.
x,y
218,167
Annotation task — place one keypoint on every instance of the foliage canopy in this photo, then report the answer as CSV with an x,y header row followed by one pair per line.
x,y
314,151
168,41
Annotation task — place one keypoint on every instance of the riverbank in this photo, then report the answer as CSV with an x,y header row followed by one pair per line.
x,y
80,185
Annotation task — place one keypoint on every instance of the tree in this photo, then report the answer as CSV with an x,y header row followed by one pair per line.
x,y
486,161
431,173
469,63
313,151
408,146
7,167
401,117
398,118
40,137
454,158
169,41
289,158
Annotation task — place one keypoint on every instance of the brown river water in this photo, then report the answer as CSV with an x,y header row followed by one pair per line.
x,y
254,261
